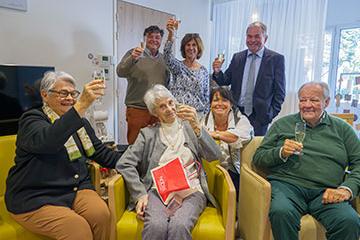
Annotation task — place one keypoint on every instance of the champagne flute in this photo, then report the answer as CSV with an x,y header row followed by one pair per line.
x,y
143,45
300,128
99,74
179,102
221,56
176,26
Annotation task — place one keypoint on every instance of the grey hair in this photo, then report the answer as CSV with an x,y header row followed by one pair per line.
x,y
260,25
324,86
51,77
154,93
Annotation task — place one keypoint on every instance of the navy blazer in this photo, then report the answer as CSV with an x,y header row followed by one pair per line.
x,y
269,91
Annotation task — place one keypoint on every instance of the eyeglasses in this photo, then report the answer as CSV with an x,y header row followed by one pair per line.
x,y
65,93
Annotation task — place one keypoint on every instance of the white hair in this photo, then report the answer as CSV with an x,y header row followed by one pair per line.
x,y
154,93
51,77
323,85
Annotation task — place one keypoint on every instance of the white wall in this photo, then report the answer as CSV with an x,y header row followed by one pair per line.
x,y
61,34
58,33
342,12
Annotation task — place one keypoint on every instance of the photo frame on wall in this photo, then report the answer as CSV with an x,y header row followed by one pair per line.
x,y
20,5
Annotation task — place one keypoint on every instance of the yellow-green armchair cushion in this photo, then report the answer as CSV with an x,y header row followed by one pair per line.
x,y
9,229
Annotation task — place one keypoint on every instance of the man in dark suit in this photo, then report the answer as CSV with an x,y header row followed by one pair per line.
x,y
257,79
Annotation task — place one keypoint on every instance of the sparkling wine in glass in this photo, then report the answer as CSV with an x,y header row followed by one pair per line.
x,y
178,106
99,74
221,57
179,103
300,129
143,45
176,26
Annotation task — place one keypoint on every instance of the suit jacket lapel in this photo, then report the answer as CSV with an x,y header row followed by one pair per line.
x,y
243,56
241,65
262,67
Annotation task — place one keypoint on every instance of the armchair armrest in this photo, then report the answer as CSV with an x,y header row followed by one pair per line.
x,y
117,202
224,193
254,203
94,169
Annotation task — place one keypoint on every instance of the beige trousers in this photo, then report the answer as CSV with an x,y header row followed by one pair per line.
x,y
89,218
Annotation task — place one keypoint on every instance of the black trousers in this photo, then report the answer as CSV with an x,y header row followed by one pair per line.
x,y
259,129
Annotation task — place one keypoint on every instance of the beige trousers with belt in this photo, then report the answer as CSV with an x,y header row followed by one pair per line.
x,y
89,218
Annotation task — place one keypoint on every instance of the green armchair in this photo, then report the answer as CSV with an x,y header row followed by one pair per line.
x,y
212,224
9,229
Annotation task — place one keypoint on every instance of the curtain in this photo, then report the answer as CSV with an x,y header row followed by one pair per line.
x,y
295,29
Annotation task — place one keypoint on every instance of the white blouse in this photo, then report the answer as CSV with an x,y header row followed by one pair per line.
x,y
242,129
172,135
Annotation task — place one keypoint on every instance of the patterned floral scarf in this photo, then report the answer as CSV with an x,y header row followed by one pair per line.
x,y
70,145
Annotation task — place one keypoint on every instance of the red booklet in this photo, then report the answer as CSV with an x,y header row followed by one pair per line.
x,y
170,179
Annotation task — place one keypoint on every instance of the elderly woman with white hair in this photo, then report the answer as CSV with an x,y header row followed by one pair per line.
x,y
177,135
48,191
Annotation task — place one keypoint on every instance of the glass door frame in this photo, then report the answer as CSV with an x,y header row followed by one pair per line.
x,y
335,49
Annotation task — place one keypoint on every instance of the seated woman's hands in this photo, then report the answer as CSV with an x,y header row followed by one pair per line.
x,y
92,91
188,113
141,206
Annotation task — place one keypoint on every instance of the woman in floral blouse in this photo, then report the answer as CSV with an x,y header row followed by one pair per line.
x,y
190,80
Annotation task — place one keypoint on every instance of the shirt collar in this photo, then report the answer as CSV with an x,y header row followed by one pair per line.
x,y
259,53
324,119
147,51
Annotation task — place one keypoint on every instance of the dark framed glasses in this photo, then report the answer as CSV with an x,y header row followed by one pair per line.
x,y
65,93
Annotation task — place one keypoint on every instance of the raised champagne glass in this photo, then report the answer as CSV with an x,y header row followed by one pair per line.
x,y
300,129
221,56
176,26
143,45
99,74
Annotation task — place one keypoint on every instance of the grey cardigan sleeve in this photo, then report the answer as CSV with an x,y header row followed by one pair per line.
x,y
127,167
208,148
